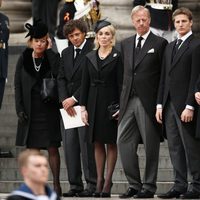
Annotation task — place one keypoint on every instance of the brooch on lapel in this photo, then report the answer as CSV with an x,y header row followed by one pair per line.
x,y
115,54
151,51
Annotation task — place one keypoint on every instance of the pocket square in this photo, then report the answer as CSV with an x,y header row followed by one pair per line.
x,y
151,51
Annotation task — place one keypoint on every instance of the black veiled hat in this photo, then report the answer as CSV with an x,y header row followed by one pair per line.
x,y
37,30
100,24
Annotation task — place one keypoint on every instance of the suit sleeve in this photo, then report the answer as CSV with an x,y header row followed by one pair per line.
x,y
162,77
85,84
62,81
120,72
19,104
195,71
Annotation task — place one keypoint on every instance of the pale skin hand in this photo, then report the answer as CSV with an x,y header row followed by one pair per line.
x,y
159,115
84,115
68,106
187,115
116,115
197,97
49,43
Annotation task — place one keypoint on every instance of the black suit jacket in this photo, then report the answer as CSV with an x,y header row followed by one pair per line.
x,y
145,72
4,36
160,19
69,78
179,76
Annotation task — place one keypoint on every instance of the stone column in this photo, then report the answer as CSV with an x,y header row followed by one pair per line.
x,y
194,6
18,12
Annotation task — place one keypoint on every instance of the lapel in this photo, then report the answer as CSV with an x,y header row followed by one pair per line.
x,y
113,55
130,52
92,56
79,59
69,58
146,47
181,51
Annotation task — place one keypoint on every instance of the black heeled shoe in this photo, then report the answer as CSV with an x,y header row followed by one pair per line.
x,y
107,194
97,193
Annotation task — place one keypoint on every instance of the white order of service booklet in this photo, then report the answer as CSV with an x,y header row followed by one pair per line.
x,y
72,122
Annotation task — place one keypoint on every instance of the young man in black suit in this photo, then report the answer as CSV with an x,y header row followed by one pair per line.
x,y
69,84
142,55
176,107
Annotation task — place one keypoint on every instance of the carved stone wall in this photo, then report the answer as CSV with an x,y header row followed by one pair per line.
x,y
194,6
18,12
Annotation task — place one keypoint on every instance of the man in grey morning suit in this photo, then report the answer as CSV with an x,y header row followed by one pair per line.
x,y
69,83
142,55
176,107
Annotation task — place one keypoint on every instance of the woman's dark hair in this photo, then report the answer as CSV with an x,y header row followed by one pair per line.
x,y
71,25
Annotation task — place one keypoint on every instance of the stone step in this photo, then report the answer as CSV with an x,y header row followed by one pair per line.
x,y
10,174
118,186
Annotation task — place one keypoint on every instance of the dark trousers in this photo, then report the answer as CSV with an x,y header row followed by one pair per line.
x,y
2,87
76,149
184,150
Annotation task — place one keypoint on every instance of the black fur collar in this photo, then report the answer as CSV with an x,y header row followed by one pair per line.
x,y
29,66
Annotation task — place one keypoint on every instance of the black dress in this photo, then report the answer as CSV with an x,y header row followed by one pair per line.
x,y
42,129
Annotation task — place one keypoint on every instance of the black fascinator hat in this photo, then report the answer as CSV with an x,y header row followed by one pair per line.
x,y
100,24
37,30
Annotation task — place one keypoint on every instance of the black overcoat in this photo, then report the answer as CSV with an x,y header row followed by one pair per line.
x,y
101,87
24,82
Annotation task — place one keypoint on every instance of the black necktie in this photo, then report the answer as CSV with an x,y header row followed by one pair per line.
x,y
138,47
78,51
176,47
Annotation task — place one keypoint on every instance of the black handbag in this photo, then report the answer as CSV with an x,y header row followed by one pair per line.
x,y
49,91
112,109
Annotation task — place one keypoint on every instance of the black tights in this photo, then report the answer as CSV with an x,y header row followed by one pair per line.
x,y
54,162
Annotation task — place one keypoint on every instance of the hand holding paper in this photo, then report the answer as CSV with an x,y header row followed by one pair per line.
x,y
72,121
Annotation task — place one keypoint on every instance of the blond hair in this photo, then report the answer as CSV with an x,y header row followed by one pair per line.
x,y
113,32
24,156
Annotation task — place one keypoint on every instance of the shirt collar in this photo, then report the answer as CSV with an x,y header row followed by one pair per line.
x,y
81,46
187,35
144,36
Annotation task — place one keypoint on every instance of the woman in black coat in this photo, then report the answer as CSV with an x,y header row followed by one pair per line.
x,y
101,86
38,121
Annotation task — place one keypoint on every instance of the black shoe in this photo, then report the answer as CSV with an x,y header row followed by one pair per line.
x,y
105,195
170,194
72,193
97,195
143,194
190,195
86,193
129,193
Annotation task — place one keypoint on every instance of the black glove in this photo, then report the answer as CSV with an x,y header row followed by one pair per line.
x,y
22,117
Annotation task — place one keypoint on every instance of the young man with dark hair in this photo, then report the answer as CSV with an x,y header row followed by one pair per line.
x,y
76,149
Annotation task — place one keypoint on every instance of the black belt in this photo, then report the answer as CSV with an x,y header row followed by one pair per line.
x,y
101,83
